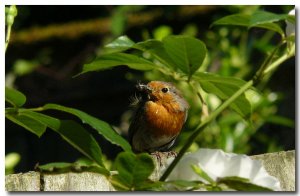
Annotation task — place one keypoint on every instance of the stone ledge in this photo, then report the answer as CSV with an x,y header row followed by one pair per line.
x,y
29,181
279,164
85,181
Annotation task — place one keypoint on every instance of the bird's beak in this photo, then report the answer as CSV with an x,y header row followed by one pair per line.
x,y
144,88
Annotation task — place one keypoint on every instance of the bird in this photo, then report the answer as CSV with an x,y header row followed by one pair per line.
x,y
160,114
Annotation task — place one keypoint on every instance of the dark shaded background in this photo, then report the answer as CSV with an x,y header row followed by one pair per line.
x,y
104,94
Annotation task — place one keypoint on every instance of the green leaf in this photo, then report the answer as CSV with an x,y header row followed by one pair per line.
x,y
157,50
214,78
121,44
14,97
184,185
262,17
117,59
257,18
198,170
235,19
28,123
241,105
61,167
124,164
187,53
291,38
80,139
150,185
224,87
56,166
48,121
102,127
291,19
271,26
72,132
133,170
241,184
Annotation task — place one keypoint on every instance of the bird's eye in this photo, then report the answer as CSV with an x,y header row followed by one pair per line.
x,y
164,90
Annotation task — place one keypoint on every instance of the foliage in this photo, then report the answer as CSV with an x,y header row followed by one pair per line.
x,y
11,160
133,172
184,60
37,123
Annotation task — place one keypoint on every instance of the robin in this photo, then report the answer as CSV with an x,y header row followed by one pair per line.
x,y
160,114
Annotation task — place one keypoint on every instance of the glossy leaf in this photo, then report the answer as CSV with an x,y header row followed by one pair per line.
x,y
210,77
48,121
241,105
291,38
80,139
133,170
157,50
102,127
224,87
257,18
262,17
198,170
121,44
235,19
150,185
72,132
291,19
241,184
187,53
14,97
271,26
56,166
184,185
116,59
28,123
62,167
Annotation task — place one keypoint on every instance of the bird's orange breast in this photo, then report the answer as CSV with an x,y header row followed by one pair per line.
x,y
163,120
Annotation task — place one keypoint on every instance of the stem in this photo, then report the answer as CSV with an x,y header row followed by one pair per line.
x,y
259,74
118,184
203,125
11,110
280,60
7,36
204,105
11,13
38,109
